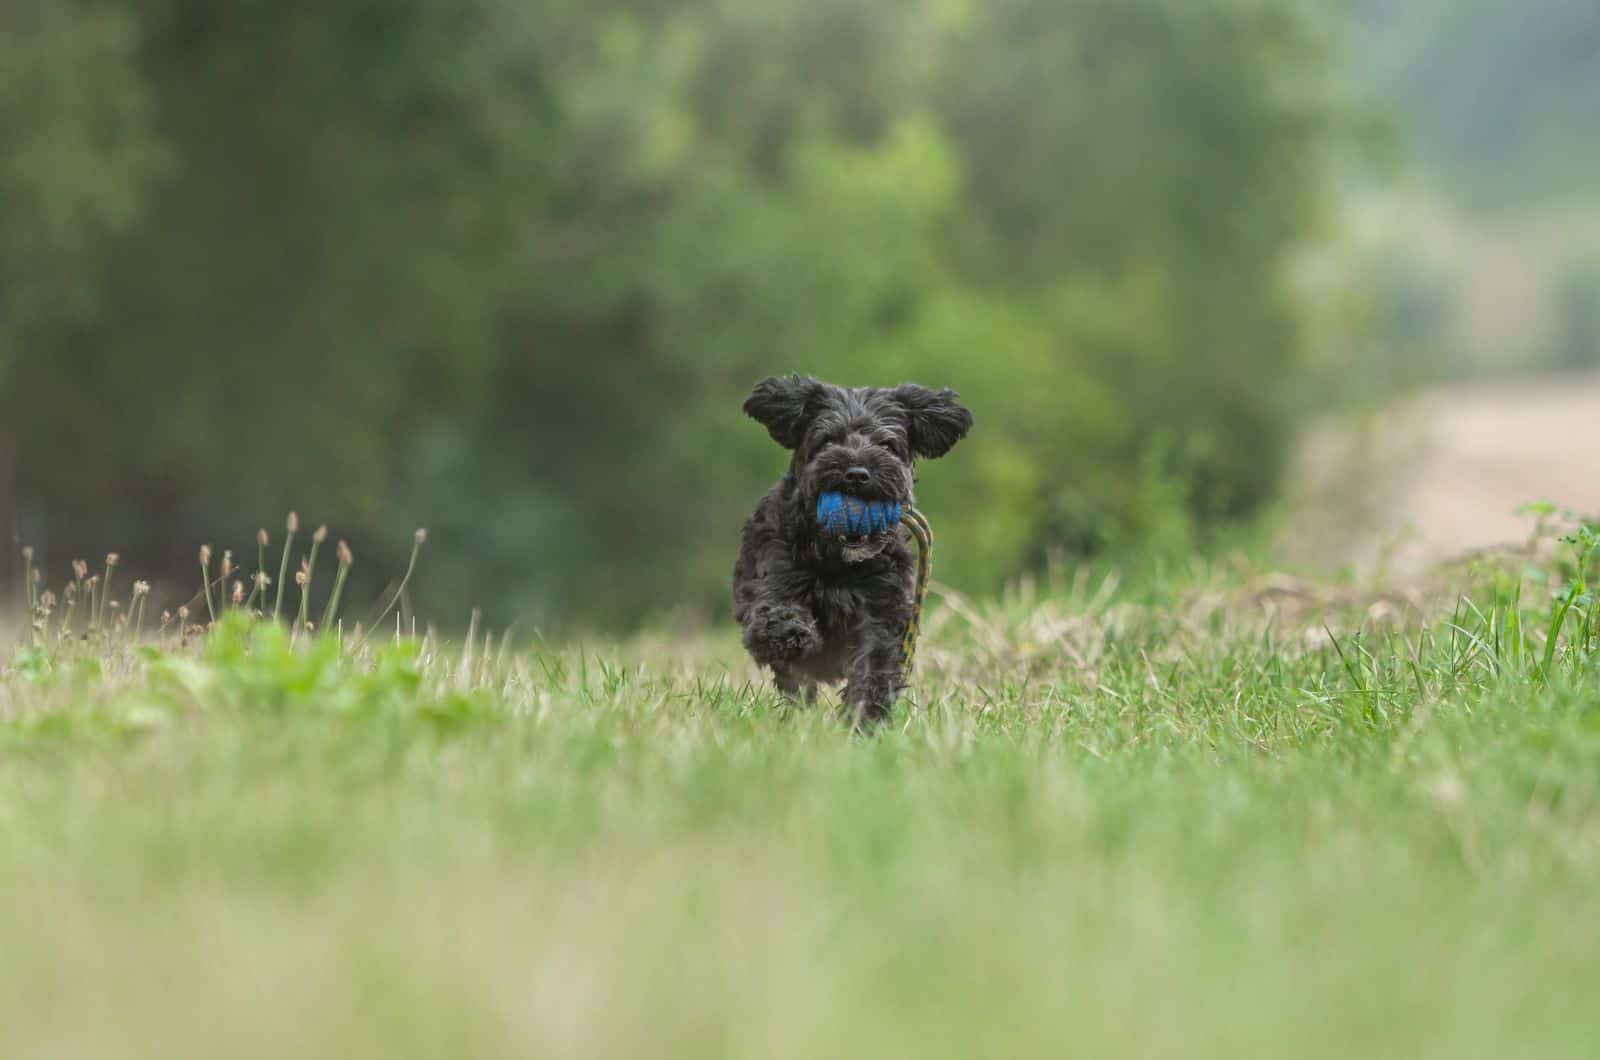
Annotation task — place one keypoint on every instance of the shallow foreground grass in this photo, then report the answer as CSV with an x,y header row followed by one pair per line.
x,y
1108,825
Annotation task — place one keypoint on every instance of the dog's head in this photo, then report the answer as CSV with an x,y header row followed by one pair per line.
x,y
862,442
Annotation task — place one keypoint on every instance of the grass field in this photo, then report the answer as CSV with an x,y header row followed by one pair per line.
x,y
1217,816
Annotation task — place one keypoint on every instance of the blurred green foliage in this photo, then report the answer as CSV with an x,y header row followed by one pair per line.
x,y
506,268
1501,100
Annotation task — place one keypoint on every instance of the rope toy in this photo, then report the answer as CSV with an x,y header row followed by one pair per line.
x,y
841,515
924,535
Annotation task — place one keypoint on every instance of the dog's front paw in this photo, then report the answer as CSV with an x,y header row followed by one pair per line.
x,y
781,633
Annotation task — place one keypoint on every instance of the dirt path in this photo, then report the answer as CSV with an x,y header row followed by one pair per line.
x,y
1444,473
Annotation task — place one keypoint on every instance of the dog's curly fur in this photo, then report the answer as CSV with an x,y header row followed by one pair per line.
x,y
818,609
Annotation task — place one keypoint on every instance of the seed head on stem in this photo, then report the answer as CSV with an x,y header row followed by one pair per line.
x,y
292,525
138,603
111,564
308,567
417,541
256,584
346,559
205,579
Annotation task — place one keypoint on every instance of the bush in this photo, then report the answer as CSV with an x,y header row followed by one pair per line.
x,y
509,270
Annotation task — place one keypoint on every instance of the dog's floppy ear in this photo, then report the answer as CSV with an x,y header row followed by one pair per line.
x,y
935,420
785,405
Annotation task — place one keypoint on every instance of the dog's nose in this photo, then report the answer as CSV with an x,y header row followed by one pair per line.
x,y
857,476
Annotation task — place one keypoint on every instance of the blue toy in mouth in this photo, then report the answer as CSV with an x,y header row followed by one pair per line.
x,y
843,516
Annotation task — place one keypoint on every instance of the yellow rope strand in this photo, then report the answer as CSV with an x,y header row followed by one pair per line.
x,y
924,534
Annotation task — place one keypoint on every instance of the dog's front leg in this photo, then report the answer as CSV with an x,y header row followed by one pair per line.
x,y
779,633
876,675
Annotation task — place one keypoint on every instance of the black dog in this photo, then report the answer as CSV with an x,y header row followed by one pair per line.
x,y
818,608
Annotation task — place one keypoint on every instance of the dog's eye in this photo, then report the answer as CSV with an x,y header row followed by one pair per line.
x,y
820,440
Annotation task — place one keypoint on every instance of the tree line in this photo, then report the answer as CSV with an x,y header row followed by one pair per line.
x,y
506,268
